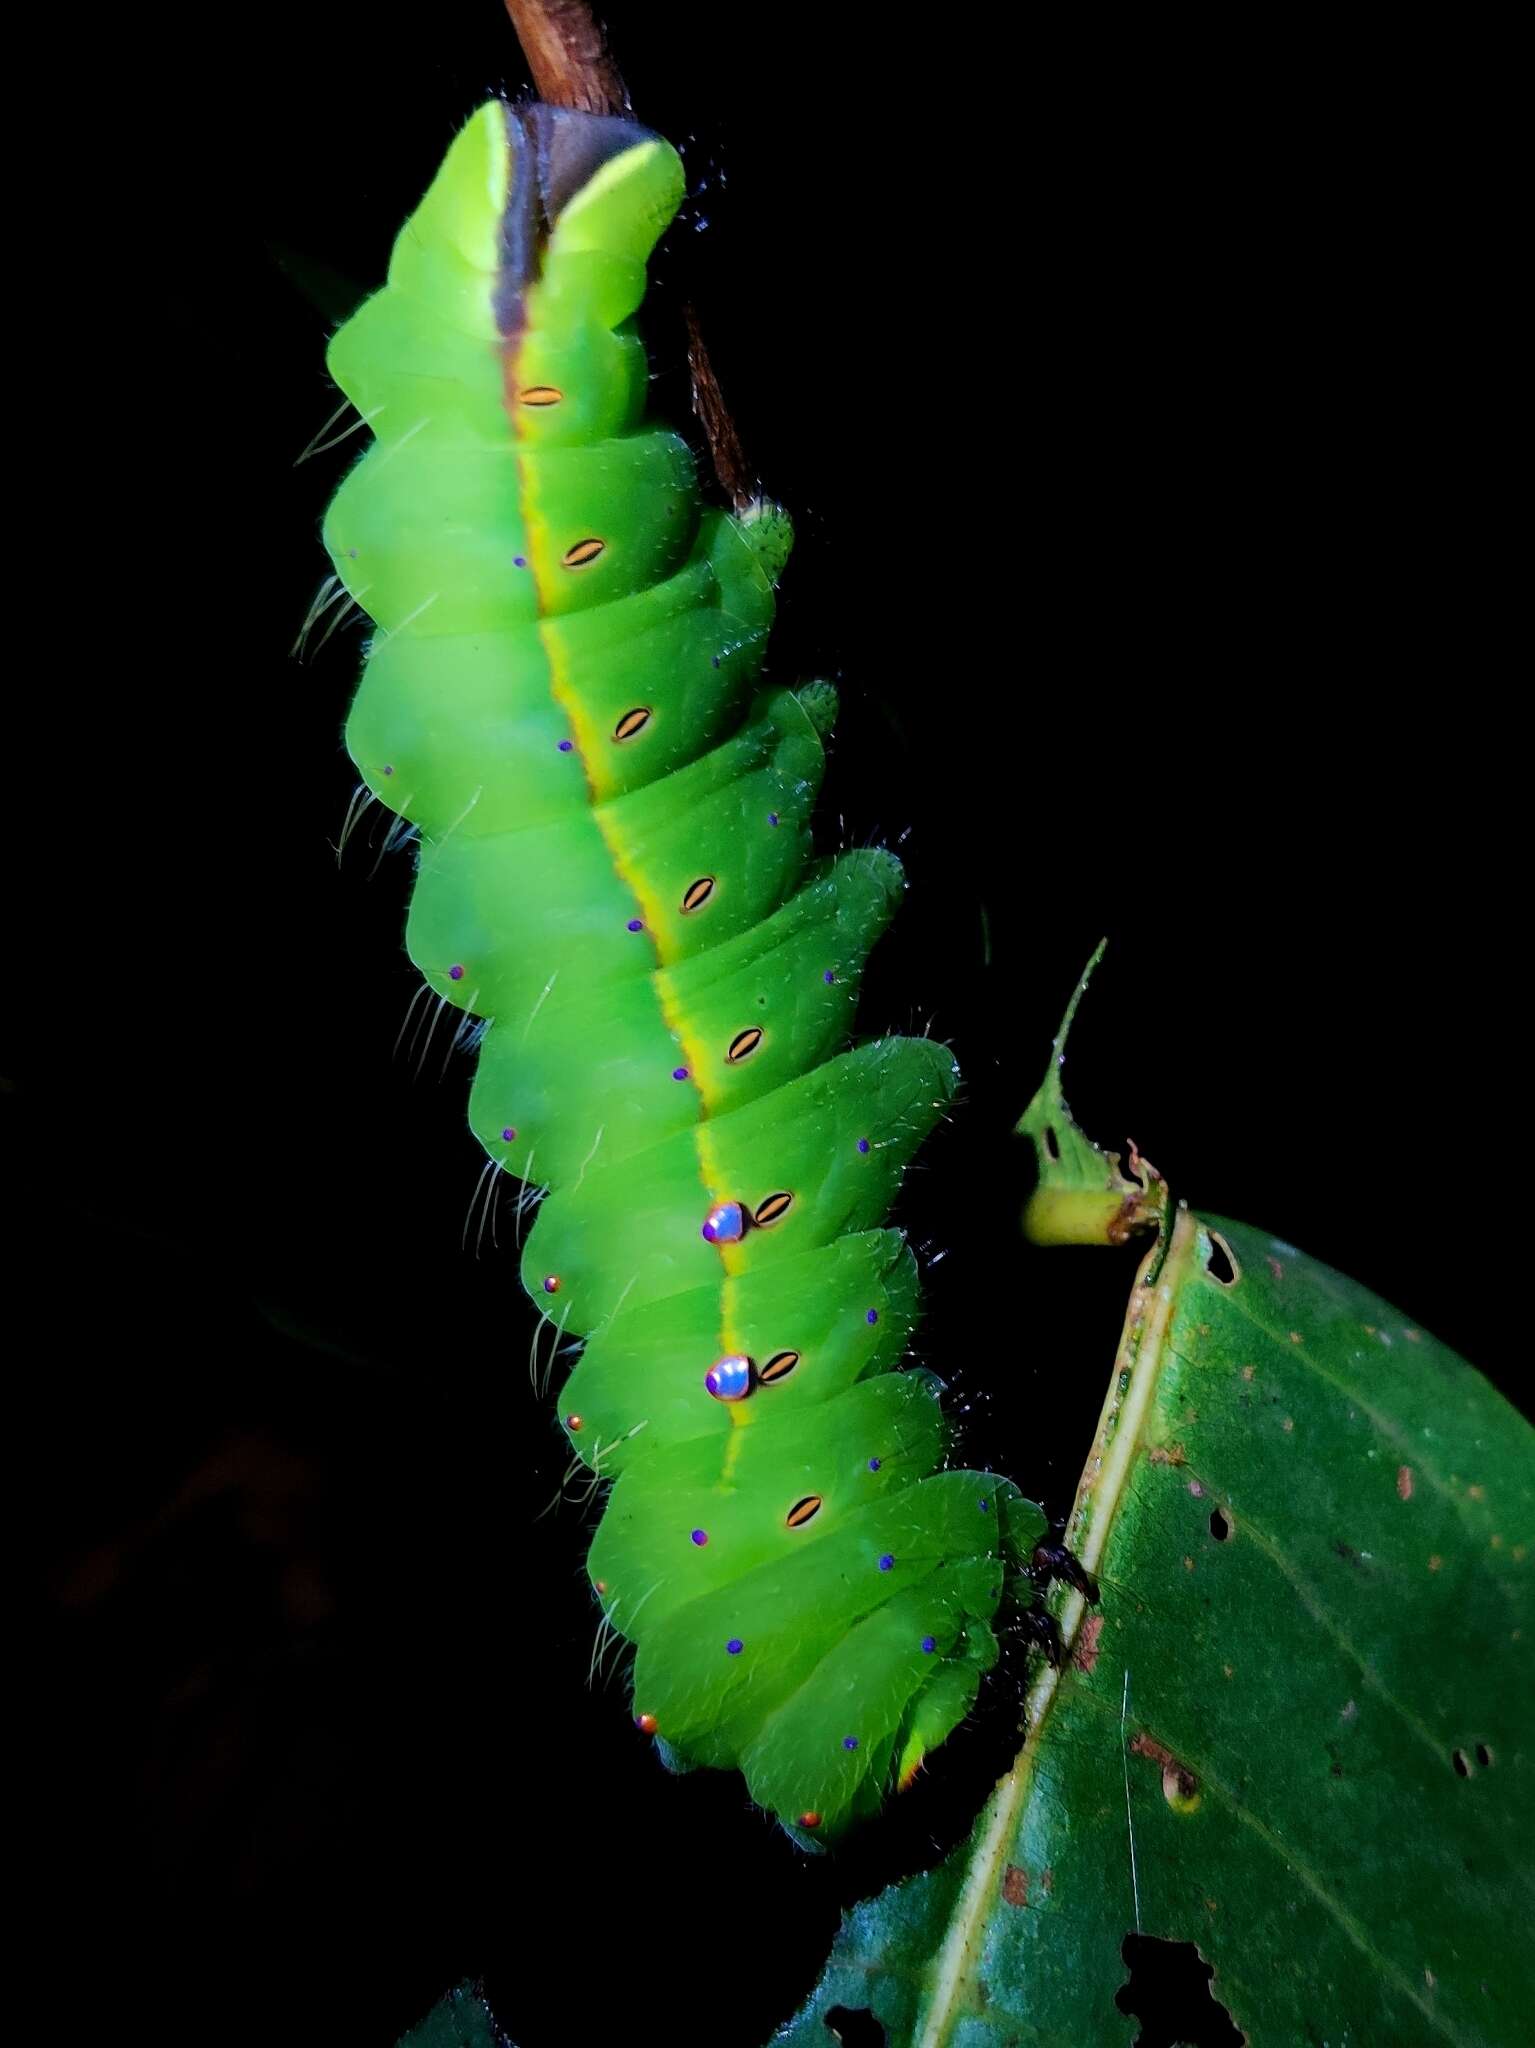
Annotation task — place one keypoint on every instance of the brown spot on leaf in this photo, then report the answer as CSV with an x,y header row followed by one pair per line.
x,y
1047,1880
1085,1655
1148,1745
1288,1425
1276,1269
1188,1564
1015,1885
1412,1336
1180,1787
1404,1482
1477,1492
1296,1337
1248,1371
1435,1562
1196,1489
1167,1454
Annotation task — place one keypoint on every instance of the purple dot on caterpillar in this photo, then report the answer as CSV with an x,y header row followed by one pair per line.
x,y
734,1647
566,745
985,1507
850,1742
455,973
929,1644
700,1537
519,561
388,768
552,1283
508,1134
872,1316
716,661
730,1379
679,1073
863,1144
828,977
772,817
636,924
887,1562
725,1223
874,1464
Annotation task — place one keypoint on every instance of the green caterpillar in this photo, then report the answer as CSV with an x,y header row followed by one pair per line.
x,y
616,872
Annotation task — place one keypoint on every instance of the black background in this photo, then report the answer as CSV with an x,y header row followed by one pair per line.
x,y
1142,409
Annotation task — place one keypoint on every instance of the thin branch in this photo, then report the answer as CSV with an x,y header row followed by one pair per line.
x,y
568,56
573,67
725,448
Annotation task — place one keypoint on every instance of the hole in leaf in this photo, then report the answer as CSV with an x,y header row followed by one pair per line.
x,y
1483,1755
1221,1265
1180,1788
1220,1526
1169,1993
1052,1143
854,2029
1462,1764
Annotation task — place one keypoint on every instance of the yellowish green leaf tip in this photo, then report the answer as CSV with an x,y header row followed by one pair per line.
x,y
1085,1194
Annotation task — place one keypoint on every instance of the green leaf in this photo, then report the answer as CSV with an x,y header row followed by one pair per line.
x,y
1296,1734
1084,1195
461,2020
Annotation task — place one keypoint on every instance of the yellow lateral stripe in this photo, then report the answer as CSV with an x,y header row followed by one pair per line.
x,y
740,1412
589,750
671,1009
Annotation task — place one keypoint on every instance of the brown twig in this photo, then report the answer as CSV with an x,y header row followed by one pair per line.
x,y
725,448
573,67
568,56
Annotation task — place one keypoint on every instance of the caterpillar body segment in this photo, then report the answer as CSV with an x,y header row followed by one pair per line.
x,y
565,697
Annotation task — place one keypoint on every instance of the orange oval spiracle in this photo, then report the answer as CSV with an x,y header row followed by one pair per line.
x,y
542,394
632,722
772,1209
744,1044
778,1367
804,1510
583,552
697,894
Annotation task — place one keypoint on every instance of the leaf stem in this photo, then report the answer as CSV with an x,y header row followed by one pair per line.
x,y
1126,1406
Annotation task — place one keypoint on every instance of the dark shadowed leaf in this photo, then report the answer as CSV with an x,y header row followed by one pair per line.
x,y
461,2020
1283,1789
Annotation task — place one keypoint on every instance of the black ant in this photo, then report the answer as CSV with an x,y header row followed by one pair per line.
x,y
1051,1560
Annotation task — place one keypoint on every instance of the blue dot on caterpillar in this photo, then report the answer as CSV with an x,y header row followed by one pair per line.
x,y
730,1379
